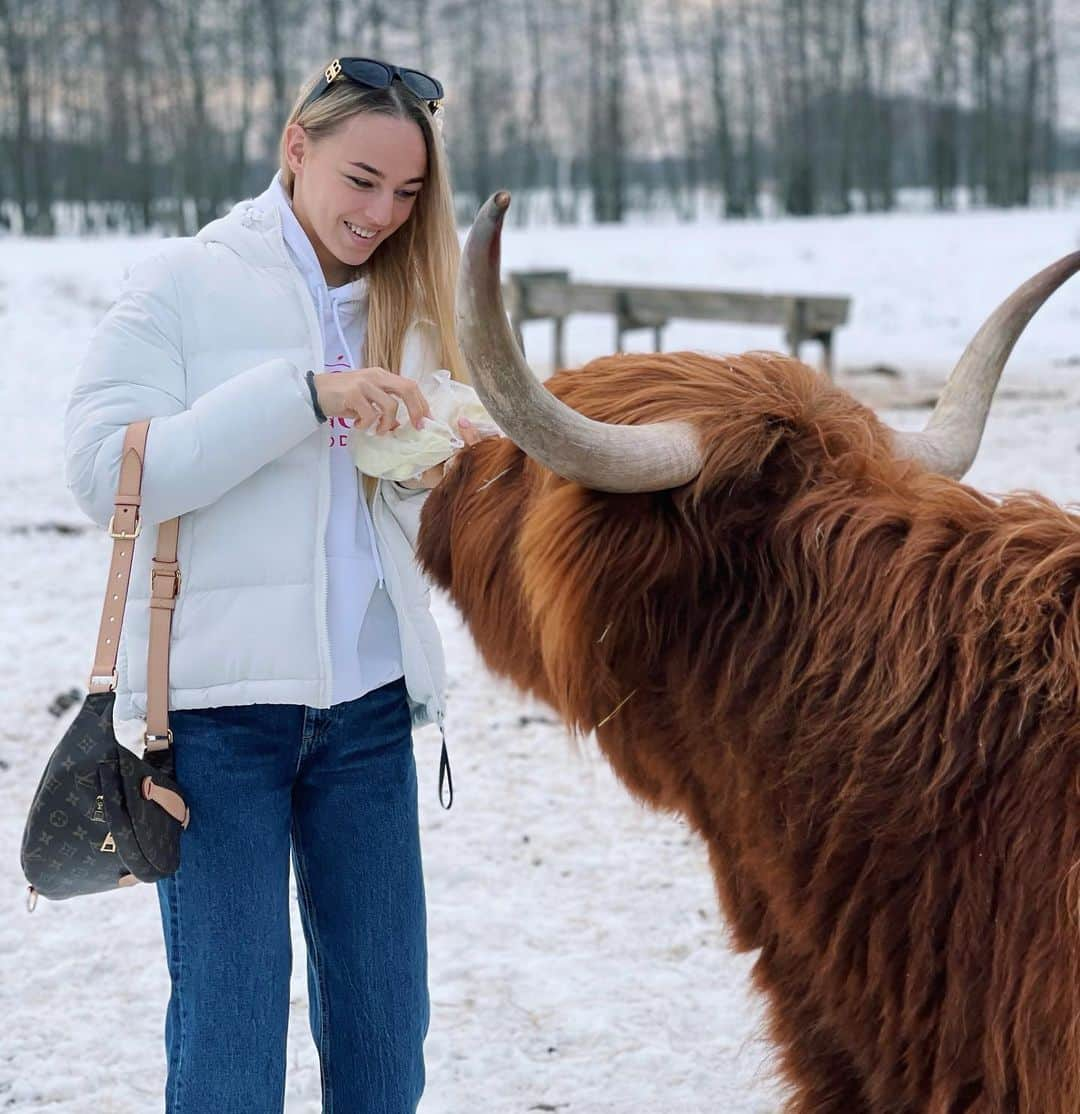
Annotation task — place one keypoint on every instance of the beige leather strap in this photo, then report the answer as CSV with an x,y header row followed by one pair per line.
x,y
171,802
124,528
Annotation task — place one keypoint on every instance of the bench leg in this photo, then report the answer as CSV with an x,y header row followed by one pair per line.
x,y
795,325
826,353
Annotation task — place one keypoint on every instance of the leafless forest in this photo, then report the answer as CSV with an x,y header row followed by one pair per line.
x,y
157,114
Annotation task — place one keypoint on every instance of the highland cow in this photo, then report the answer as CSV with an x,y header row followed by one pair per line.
x,y
856,677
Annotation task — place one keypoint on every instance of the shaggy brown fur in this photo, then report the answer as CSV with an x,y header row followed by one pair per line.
x,y
859,681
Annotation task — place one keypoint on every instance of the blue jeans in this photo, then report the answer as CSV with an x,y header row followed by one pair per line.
x,y
337,786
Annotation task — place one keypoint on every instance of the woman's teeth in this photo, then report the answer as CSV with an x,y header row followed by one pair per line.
x,y
358,234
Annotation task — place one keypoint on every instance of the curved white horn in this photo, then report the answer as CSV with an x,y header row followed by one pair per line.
x,y
598,455
951,438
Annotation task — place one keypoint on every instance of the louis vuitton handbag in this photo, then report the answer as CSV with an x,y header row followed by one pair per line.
x,y
102,817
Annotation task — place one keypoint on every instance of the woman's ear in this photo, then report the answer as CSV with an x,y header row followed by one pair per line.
x,y
295,139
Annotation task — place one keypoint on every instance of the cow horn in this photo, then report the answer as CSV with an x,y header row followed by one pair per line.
x,y
597,455
951,438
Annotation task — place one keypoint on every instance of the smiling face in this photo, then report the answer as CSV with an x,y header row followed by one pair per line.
x,y
367,174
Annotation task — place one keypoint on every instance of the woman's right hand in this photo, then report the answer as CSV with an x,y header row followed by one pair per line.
x,y
369,396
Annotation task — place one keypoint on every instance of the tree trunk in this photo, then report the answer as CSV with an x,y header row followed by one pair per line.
x,y
14,44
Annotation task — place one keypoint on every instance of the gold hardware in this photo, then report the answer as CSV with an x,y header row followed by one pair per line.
x,y
99,810
31,899
332,71
97,678
148,737
122,535
109,844
174,573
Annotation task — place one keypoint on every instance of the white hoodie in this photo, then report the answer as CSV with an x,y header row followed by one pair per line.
x,y
211,338
363,629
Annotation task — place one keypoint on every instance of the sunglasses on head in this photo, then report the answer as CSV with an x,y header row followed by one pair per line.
x,y
373,74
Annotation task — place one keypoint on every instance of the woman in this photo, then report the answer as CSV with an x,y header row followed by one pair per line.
x,y
302,650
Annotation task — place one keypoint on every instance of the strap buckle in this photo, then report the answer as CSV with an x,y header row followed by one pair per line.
x,y
157,742
174,573
121,535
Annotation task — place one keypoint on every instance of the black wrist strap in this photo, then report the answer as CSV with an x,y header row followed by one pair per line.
x,y
310,377
444,773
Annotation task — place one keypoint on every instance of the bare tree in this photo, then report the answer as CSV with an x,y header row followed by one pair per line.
x,y
724,168
796,136
689,84
607,155
169,108
13,39
274,18
750,160
423,32
939,19
672,170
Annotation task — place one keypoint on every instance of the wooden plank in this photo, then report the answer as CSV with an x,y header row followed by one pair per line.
x,y
552,297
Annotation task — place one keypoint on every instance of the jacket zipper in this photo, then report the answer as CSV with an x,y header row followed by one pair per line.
x,y
314,332
326,581
444,761
324,495
402,614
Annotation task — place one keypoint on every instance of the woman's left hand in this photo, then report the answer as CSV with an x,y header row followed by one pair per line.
x,y
431,477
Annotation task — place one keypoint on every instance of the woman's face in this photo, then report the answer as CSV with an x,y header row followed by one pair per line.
x,y
367,175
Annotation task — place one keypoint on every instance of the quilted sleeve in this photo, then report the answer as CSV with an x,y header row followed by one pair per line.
x,y
133,368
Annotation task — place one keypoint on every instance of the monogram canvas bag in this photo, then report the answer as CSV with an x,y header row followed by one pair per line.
x,y
102,817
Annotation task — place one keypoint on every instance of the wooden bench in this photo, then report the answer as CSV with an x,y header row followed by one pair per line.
x,y
539,295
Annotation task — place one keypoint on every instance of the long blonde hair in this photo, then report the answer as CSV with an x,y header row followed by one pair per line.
x,y
413,275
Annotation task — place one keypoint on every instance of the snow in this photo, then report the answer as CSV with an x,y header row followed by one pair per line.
x,y
577,959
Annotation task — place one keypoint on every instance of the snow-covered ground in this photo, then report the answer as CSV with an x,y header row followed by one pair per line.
x,y
578,963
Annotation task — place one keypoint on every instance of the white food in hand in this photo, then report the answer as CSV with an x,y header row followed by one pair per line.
x,y
408,451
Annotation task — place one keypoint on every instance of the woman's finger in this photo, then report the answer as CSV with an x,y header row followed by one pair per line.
x,y
469,433
409,392
387,404
363,414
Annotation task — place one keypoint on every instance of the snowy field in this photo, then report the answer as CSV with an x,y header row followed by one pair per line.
x,y
577,960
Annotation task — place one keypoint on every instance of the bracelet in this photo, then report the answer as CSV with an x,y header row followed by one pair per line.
x,y
310,377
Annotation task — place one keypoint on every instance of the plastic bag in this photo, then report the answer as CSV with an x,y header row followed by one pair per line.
x,y
408,451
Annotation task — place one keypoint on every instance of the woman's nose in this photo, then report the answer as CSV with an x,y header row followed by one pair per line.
x,y
381,210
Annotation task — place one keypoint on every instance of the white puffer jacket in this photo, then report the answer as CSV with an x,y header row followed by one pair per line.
x,y
211,338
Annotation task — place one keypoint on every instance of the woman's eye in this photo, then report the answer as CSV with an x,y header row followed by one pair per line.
x,y
363,183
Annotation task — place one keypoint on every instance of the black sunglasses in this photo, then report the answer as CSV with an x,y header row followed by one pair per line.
x,y
373,74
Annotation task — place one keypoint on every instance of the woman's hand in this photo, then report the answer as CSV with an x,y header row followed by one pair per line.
x,y
431,477
369,396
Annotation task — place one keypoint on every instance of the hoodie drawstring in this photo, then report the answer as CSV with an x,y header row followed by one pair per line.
x,y
366,510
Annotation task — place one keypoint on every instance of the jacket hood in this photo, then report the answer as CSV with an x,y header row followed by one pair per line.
x,y
252,229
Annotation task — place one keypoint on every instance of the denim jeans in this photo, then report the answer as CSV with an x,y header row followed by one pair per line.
x,y
337,787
